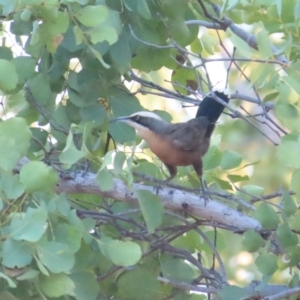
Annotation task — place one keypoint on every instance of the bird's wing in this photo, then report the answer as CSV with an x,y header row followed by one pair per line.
x,y
189,136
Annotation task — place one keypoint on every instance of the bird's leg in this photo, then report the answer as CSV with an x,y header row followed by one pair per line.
x,y
173,172
205,193
198,168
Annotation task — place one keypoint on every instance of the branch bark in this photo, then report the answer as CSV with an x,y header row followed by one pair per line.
x,y
173,199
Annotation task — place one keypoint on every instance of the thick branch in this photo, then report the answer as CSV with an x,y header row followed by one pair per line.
x,y
173,199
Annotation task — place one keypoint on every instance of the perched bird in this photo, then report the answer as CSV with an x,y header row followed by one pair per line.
x,y
180,144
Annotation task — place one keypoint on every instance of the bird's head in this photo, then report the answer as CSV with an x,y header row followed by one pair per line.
x,y
140,119
143,122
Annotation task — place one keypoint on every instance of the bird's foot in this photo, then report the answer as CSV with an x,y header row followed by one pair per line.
x,y
206,195
161,185
204,191
157,188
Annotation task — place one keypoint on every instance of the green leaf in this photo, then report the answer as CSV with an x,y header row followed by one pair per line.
x,y
253,241
35,37
68,235
295,221
36,176
70,155
56,285
29,226
86,285
6,53
263,44
79,36
8,6
233,293
121,133
29,274
152,209
25,67
103,33
92,15
267,264
16,101
55,256
251,191
184,80
105,180
289,206
39,89
16,254
8,75
39,139
243,48
99,57
143,9
11,186
121,253
121,57
295,186
10,282
297,10
41,267
286,237
177,269
134,283
212,158
230,160
60,25
267,217
26,14
210,43
15,140
93,113
289,153
119,161
238,178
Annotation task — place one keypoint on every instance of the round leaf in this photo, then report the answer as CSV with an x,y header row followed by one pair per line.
x,y
29,226
8,75
230,160
57,285
36,176
16,254
15,140
267,264
55,256
121,253
152,209
137,282
267,216
92,15
286,237
253,241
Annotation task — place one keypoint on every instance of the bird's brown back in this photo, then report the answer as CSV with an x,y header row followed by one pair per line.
x,y
180,144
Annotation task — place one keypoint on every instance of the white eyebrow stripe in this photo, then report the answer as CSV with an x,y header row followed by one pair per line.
x,y
147,114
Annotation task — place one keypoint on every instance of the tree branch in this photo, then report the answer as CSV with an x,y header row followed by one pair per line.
x,y
224,23
81,182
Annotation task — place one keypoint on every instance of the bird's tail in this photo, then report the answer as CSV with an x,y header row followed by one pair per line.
x,y
210,108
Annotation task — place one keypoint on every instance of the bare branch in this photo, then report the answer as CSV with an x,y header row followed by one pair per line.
x,y
80,182
249,38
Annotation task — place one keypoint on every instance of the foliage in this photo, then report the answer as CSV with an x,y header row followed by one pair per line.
x,y
66,68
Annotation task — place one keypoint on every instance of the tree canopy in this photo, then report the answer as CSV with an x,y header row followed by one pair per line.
x,y
80,214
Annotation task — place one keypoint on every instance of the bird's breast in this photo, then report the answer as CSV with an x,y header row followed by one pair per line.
x,y
162,147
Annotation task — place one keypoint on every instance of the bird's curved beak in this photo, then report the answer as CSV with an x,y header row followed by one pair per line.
x,y
120,119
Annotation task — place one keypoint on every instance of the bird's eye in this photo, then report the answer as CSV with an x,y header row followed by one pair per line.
x,y
137,118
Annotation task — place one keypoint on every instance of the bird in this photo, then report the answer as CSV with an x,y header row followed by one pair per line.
x,y
179,144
